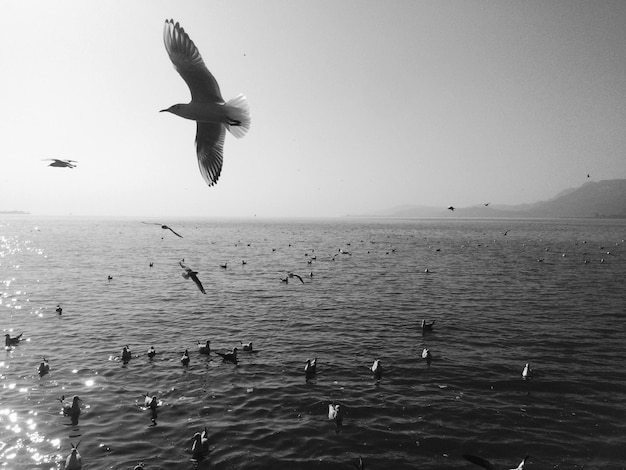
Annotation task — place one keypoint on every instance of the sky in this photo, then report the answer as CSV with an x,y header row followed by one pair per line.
x,y
357,105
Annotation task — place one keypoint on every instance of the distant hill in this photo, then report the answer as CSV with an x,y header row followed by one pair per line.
x,y
605,199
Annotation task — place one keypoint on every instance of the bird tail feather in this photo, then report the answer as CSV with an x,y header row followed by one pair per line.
x,y
238,109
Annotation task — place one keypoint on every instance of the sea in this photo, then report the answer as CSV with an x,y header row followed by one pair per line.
x,y
502,293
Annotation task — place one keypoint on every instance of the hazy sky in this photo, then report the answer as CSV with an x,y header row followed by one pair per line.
x,y
356,105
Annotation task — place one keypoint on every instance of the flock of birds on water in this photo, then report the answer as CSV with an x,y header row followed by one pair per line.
x,y
213,116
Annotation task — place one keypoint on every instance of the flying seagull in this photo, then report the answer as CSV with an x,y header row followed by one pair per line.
x,y
451,208
213,116
488,465
190,273
61,163
164,227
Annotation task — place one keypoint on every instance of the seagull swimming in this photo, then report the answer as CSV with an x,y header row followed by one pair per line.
x,y
427,356
527,373
213,116
204,348
377,369
488,465
151,352
8,341
246,346
310,368
335,412
200,444
43,368
61,163
73,410
74,460
126,354
191,274
185,358
229,357
164,227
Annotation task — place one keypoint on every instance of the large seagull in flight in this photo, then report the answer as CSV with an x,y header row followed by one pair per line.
x,y
207,107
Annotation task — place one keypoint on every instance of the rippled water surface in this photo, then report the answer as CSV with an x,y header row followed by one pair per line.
x,y
548,293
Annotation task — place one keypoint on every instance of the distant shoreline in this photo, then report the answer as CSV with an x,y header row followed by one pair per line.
x,y
14,212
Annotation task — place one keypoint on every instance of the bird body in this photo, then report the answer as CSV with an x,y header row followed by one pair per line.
x,y
44,367
61,163
72,410
151,402
427,356
377,369
310,368
428,326
8,341
335,412
204,348
246,346
126,354
191,274
185,358
527,372
151,352
74,460
229,357
200,444
207,107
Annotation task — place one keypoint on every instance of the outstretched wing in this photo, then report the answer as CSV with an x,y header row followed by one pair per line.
x,y
210,150
171,230
189,64
192,275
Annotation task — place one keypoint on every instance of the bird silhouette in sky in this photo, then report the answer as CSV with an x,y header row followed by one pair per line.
x,y
61,163
164,227
213,116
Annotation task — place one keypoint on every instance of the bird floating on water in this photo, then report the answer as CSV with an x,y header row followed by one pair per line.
x,y
164,227
335,412
212,114
151,352
229,357
191,274
246,346
151,402
451,208
377,369
428,326
185,358
59,310
43,368
204,348
74,461
126,354
61,163
72,410
200,444
310,368
427,356
527,372
9,342
488,465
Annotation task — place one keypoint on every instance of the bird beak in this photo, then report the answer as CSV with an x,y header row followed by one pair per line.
x,y
164,110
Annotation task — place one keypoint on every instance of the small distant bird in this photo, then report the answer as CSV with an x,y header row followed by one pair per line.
x,y
488,465
243,262
527,372
151,402
204,348
109,277
207,107
486,204
310,368
451,208
61,163
292,275
9,342
224,266
126,354
229,357
505,232
151,264
200,444
360,465
377,369
246,346
191,274
43,368
428,326
74,461
335,412
151,352
72,410
164,227
285,279
185,358
59,310
427,356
